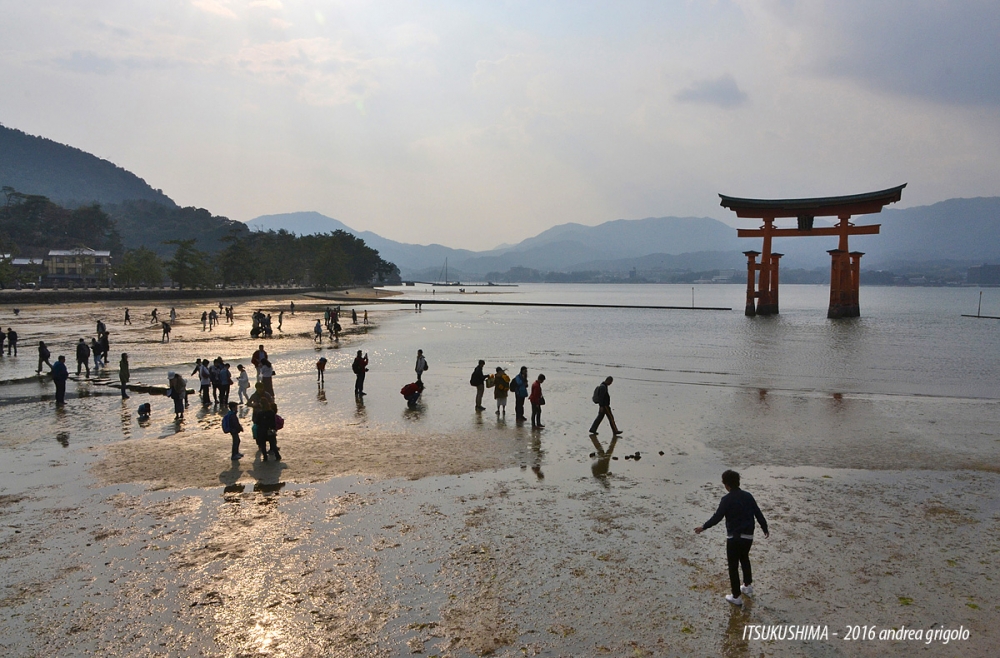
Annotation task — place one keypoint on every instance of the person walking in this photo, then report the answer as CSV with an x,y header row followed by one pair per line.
x,y
43,355
318,332
602,397
354,316
243,384
281,316
11,341
95,349
124,374
740,510
360,368
59,376
478,380
177,390
231,425
537,400
3,337
204,320
519,385
153,317
500,383
421,366
366,316
82,357
128,318
104,341
213,375
166,331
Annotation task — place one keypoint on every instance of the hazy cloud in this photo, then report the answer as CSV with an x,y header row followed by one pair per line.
x,y
722,92
217,7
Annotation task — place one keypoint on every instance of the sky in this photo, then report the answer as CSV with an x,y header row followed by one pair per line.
x,y
472,124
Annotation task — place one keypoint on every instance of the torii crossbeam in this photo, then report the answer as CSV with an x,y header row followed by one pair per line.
x,y
845,267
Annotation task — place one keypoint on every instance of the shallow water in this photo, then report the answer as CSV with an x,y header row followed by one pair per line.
x,y
870,444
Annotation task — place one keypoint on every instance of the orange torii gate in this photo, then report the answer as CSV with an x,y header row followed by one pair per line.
x,y
762,290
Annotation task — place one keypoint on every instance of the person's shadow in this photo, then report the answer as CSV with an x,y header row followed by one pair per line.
x,y
231,475
601,466
733,643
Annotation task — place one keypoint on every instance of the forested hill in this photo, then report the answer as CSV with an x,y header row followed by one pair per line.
x,y
67,175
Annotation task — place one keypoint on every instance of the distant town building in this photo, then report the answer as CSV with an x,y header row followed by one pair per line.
x,y
80,265
984,275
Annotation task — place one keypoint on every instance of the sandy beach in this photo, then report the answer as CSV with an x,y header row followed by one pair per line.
x,y
390,532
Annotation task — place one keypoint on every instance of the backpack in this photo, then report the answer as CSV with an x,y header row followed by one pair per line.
x,y
226,424
597,395
356,366
472,379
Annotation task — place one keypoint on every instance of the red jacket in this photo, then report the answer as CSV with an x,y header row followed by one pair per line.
x,y
536,392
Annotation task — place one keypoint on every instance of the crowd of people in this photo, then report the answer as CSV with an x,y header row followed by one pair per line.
x,y
215,379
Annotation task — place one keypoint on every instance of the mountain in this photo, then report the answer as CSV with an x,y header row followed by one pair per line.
x,y
562,247
67,175
409,258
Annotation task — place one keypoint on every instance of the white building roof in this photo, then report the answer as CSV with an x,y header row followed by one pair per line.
x,y
78,252
26,261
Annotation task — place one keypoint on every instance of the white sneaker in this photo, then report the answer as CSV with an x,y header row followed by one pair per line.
x,y
747,589
735,600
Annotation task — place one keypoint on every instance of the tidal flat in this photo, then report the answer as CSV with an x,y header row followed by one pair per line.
x,y
440,531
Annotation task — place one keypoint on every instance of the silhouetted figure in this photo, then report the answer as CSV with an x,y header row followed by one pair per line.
x,y
165,326
537,400
177,390
267,376
11,341
360,367
321,371
128,317
124,374
478,380
59,376
43,355
519,386
82,357
231,425
602,397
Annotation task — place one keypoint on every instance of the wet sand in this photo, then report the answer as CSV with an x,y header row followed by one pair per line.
x,y
441,532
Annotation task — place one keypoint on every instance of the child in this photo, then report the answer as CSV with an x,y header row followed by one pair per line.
x,y
321,370
740,510
231,425
244,384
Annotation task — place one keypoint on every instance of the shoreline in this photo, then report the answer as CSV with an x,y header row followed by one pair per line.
x,y
61,296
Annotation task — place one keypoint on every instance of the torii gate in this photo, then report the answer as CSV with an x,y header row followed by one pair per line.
x,y
845,265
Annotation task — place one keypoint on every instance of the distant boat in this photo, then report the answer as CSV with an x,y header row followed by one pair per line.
x,y
444,276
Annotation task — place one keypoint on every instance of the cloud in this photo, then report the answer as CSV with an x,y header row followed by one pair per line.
x,y
216,7
722,92
90,62
940,51
323,71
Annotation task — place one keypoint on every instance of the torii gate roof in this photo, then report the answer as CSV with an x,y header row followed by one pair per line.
x,y
853,204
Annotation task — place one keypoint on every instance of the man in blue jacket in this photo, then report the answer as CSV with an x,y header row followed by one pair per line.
x,y
519,387
59,376
740,509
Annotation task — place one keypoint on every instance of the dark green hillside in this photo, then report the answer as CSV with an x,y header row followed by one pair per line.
x,y
149,224
30,225
67,175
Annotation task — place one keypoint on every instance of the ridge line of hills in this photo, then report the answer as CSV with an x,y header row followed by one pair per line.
x,y
956,233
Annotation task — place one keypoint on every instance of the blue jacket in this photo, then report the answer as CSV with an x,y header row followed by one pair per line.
x,y
740,510
519,386
59,372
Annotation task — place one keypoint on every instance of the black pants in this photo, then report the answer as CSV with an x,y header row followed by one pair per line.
x,y
519,407
60,392
359,383
206,396
236,443
738,555
224,394
536,415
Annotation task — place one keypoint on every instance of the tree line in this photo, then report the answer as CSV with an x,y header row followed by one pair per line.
x,y
32,224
